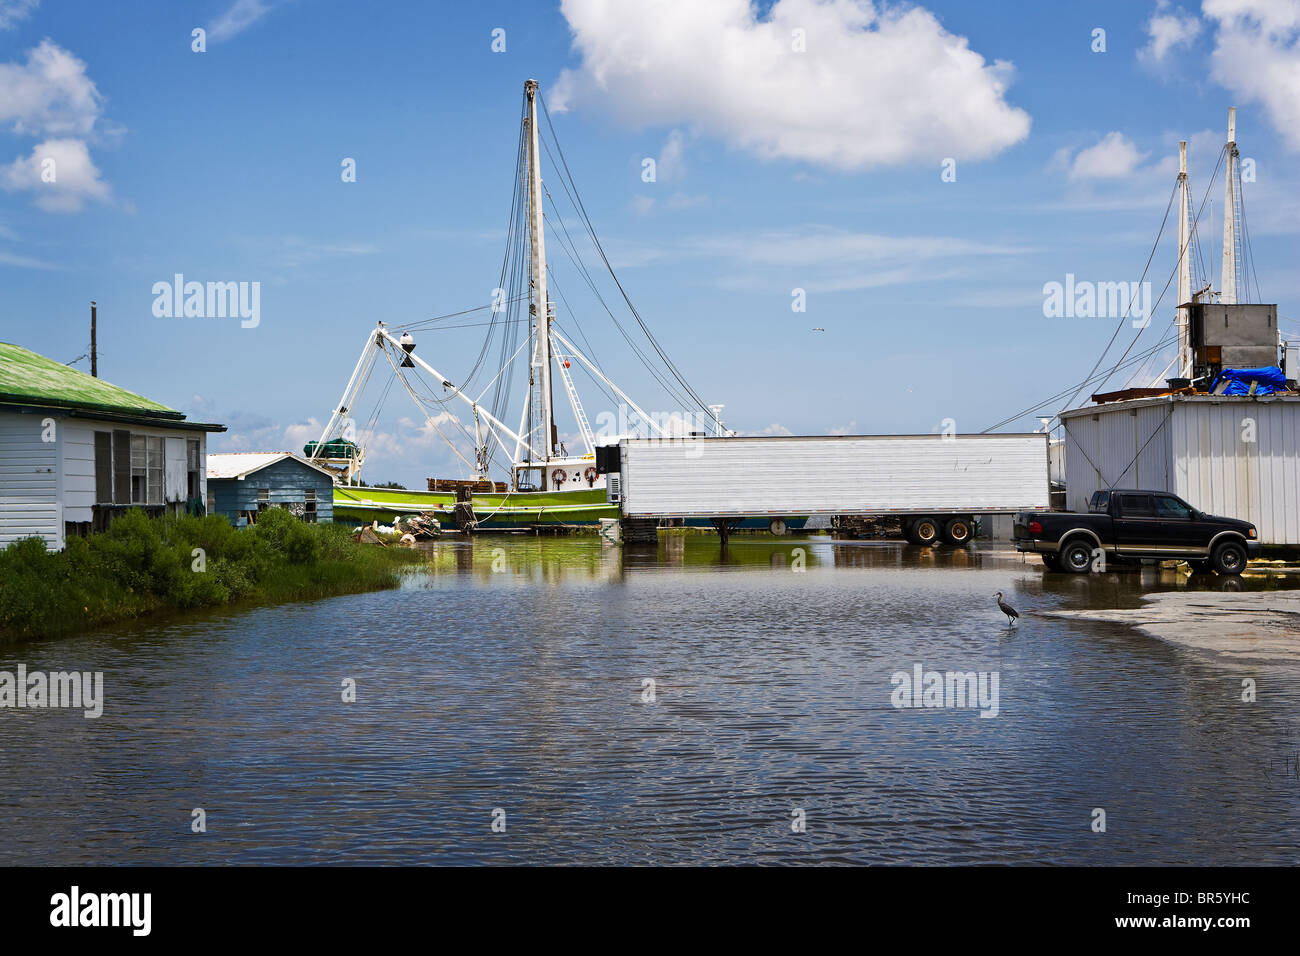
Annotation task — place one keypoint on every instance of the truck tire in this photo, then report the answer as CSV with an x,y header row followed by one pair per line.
x,y
1076,556
1229,558
1052,562
925,532
958,531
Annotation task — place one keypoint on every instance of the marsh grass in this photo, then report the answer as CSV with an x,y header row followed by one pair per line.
x,y
142,566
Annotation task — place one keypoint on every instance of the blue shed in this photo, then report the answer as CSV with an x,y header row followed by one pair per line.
x,y
241,484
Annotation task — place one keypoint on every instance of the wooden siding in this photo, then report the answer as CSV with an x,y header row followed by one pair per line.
x,y
29,481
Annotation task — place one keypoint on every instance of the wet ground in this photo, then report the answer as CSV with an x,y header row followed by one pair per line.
x,y
668,704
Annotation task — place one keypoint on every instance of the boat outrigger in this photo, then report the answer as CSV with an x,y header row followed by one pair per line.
x,y
545,484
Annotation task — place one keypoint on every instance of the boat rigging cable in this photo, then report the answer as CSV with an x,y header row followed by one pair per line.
x,y
591,231
1092,374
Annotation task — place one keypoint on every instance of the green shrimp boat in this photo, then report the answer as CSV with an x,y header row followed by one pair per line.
x,y
546,483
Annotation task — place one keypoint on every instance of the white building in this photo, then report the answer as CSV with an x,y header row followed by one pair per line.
x,y
1235,456
76,450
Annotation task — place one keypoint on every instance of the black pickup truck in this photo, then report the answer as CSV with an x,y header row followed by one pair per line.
x,y
1124,525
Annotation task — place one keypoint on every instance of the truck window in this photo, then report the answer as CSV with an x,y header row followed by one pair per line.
x,y
1135,506
1167,506
1100,502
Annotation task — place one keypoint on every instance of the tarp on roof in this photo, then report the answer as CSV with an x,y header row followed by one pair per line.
x,y
1267,379
29,378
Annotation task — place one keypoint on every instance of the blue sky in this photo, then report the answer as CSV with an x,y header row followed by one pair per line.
x,y
778,169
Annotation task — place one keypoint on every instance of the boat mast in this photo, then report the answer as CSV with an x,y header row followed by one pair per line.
x,y
538,305
1230,206
1184,266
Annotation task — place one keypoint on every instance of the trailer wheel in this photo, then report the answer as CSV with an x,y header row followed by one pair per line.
x,y
1229,558
1076,556
925,531
776,526
958,531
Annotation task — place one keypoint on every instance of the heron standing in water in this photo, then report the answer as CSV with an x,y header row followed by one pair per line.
x,y
1008,610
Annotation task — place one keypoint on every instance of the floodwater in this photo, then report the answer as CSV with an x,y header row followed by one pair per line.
x,y
507,682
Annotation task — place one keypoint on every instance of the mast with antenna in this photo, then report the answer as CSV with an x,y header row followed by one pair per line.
x,y
1228,291
1184,266
538,305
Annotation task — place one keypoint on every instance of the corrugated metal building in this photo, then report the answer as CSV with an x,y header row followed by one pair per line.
x,y
241,484
76,450
1233,456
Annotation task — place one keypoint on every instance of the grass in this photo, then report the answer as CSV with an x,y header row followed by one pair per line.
x,y
142,566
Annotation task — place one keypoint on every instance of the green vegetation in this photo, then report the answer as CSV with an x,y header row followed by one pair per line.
x,y
144,565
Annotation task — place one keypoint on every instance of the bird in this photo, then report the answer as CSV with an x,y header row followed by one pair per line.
x,y
1008,610
819,330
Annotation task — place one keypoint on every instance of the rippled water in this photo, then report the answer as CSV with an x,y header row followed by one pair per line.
x,y
521,688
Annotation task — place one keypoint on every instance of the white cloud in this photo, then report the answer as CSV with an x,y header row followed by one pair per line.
x,y
874,87
241,15
1113,158
1257,56
48,95
1168,29
59,173
14,11
51,96
670,166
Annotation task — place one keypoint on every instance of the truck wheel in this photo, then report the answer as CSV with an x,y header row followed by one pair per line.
x,y
1076,557
1052,562
925,531
958,531
1229,558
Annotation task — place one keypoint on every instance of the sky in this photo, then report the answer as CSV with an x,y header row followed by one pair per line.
x,y
855,213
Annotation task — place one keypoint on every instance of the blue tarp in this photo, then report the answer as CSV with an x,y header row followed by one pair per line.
x,y
1269,377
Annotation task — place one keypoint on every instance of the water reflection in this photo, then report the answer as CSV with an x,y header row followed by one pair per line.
x,y
510,671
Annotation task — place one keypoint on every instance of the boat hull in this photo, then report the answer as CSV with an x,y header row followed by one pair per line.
x,y
500,512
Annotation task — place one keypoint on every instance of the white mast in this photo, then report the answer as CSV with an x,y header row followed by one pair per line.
x,y
1184,267
1229,289
538,305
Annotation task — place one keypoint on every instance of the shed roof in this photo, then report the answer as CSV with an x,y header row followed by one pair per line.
x,y
29,378
239,464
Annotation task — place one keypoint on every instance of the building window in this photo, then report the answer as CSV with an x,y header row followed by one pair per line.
x,y
195,485
146,470
139,470
156,470
309,507
263,498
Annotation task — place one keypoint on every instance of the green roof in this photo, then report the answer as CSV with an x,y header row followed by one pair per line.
x,y
32,379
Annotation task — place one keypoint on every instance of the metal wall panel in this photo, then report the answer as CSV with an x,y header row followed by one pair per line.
x,y
806,476
1222,471
1202,453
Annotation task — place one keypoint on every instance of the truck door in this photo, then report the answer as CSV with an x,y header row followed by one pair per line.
x,y
1137,528
1178,531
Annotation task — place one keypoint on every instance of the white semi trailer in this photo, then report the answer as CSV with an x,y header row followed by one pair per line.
x,y
937,486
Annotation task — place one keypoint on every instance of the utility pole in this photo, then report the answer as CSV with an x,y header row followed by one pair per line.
x,y
94,347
